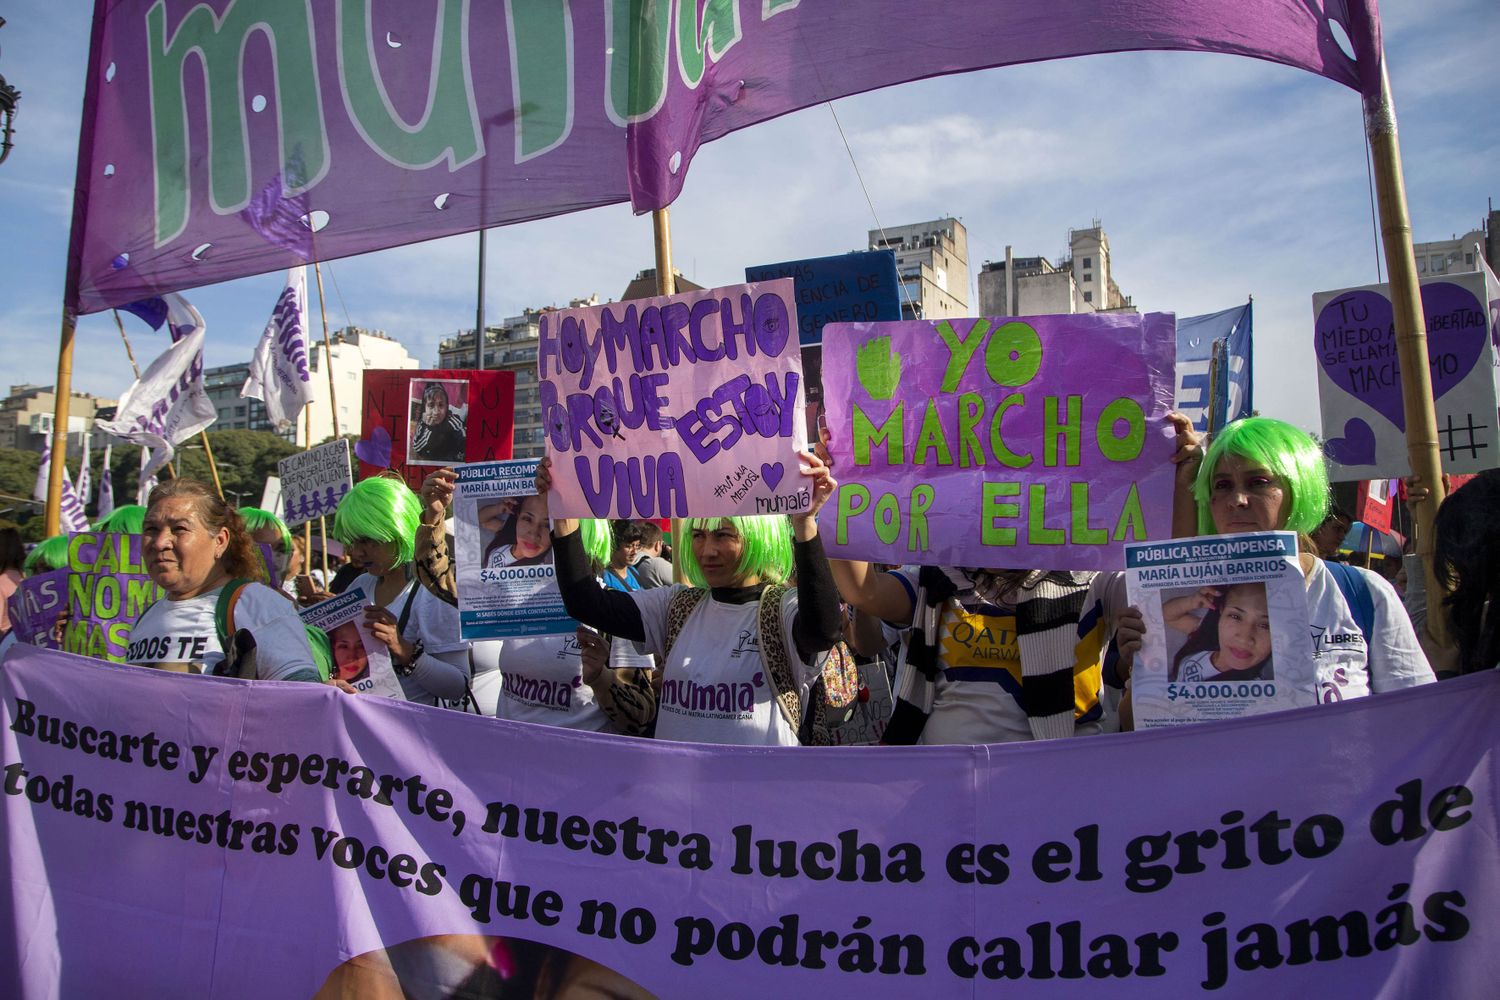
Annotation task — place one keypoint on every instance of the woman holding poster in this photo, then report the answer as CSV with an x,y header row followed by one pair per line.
x,y
377,523
1262,474
723,679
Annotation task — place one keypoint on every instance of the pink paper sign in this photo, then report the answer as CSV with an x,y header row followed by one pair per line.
x,y
679,406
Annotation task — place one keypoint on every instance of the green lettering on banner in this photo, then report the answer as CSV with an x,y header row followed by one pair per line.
x,y
921,498
1014,354
1131,518
219,41
887,518
1037,532
635,64
139,595
541,60
891,433
997,442
1111,445
932,438
960,351
1082,533
991,508
1069,429
770,8
449,127
718,34
853,499
970,413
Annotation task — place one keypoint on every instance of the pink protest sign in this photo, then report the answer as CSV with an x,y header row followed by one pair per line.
x,y
1038,442
680,406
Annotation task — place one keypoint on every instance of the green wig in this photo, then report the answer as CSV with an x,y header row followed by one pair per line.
x,y
49,554
768,546
257,518
127,520
380,510
598,540
1290,454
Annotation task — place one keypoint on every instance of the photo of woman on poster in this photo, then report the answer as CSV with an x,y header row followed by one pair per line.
x,y
521,533
436,428
351,662
1231,642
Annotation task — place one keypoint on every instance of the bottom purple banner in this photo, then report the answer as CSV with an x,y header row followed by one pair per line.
x,y
173,835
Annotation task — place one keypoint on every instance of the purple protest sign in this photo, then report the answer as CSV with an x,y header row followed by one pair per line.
x,y
1359,377
680,406
1038,442
226,139
35,605
108,588
284,840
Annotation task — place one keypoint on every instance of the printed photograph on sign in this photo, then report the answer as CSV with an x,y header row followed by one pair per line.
x,y
358,657
1226,628
437,427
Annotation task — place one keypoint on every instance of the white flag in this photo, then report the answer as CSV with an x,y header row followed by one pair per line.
x,y
39,490
106,504
167,404
84,483
73,517
278,372
147,481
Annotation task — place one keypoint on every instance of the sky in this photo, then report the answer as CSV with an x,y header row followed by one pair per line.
x,y
1215,177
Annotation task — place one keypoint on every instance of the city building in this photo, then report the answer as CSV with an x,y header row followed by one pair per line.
x,y
235,413
1461,253
26,417
1083,282
932,259
511,346
353,350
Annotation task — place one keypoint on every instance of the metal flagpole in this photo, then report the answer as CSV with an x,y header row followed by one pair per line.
x,y
333,403
1411,334
479,311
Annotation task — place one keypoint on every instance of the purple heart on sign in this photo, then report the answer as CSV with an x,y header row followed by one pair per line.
x,y
376,449
1356,344
1356,447
772,474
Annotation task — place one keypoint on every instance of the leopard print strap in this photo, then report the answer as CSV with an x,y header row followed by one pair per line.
x,y
773,653
630,703
434,563
683,603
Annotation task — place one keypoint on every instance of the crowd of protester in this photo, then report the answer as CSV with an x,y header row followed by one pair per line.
x,y
732,637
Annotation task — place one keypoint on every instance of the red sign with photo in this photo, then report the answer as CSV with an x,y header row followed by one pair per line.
x,y
397,403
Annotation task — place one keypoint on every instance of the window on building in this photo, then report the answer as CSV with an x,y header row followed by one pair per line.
x,y
1437,263
1088,262
1087,276
1088,296
1469,259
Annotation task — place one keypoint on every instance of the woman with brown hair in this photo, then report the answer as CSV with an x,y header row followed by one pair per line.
x,y
12,561
193,545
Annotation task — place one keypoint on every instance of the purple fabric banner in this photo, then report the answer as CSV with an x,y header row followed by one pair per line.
x,y
228,138
197,836
686,405
35,605
1039,442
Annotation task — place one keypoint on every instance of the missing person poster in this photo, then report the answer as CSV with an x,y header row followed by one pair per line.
x,y
436,426
414,420
503,546
358,657
1226,628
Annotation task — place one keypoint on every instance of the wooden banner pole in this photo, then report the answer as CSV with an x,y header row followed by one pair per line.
x,y
52,523
1411,334
333,403
213,467
120,325
666,284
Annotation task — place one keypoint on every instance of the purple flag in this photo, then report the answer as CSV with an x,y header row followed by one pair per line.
x,y
254,137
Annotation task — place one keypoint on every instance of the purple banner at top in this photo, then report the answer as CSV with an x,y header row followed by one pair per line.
x,y
228,138
1038,442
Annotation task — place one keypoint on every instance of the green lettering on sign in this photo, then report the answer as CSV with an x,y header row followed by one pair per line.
x,y
891,433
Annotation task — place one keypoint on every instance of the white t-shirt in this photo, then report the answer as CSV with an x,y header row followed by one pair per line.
x,y
715,687
1198,667
172,632
1344,668
542,682
443,669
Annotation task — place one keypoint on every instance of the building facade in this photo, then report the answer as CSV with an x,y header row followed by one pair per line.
x,y
932,260
353,349
26,417
233,412
1461,253
1083,282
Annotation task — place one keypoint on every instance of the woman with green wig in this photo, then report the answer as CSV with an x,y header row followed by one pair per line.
x,y
267,529
719,672
539,679
377,523
1262,474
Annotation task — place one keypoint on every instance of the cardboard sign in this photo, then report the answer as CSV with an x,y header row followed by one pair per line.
x,y
1359,376
314,481
1226,628
999,442
849,288
488,399
678,406
358,657
35,605
108,589
507,585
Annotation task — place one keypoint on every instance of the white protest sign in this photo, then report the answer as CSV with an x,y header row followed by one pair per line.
x,y
314,481
1226,628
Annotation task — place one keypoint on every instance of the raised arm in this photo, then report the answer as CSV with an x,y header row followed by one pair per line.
x,y
1187,458
819,623
610,611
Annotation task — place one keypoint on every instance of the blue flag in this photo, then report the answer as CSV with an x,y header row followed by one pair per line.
x,y
1196,337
